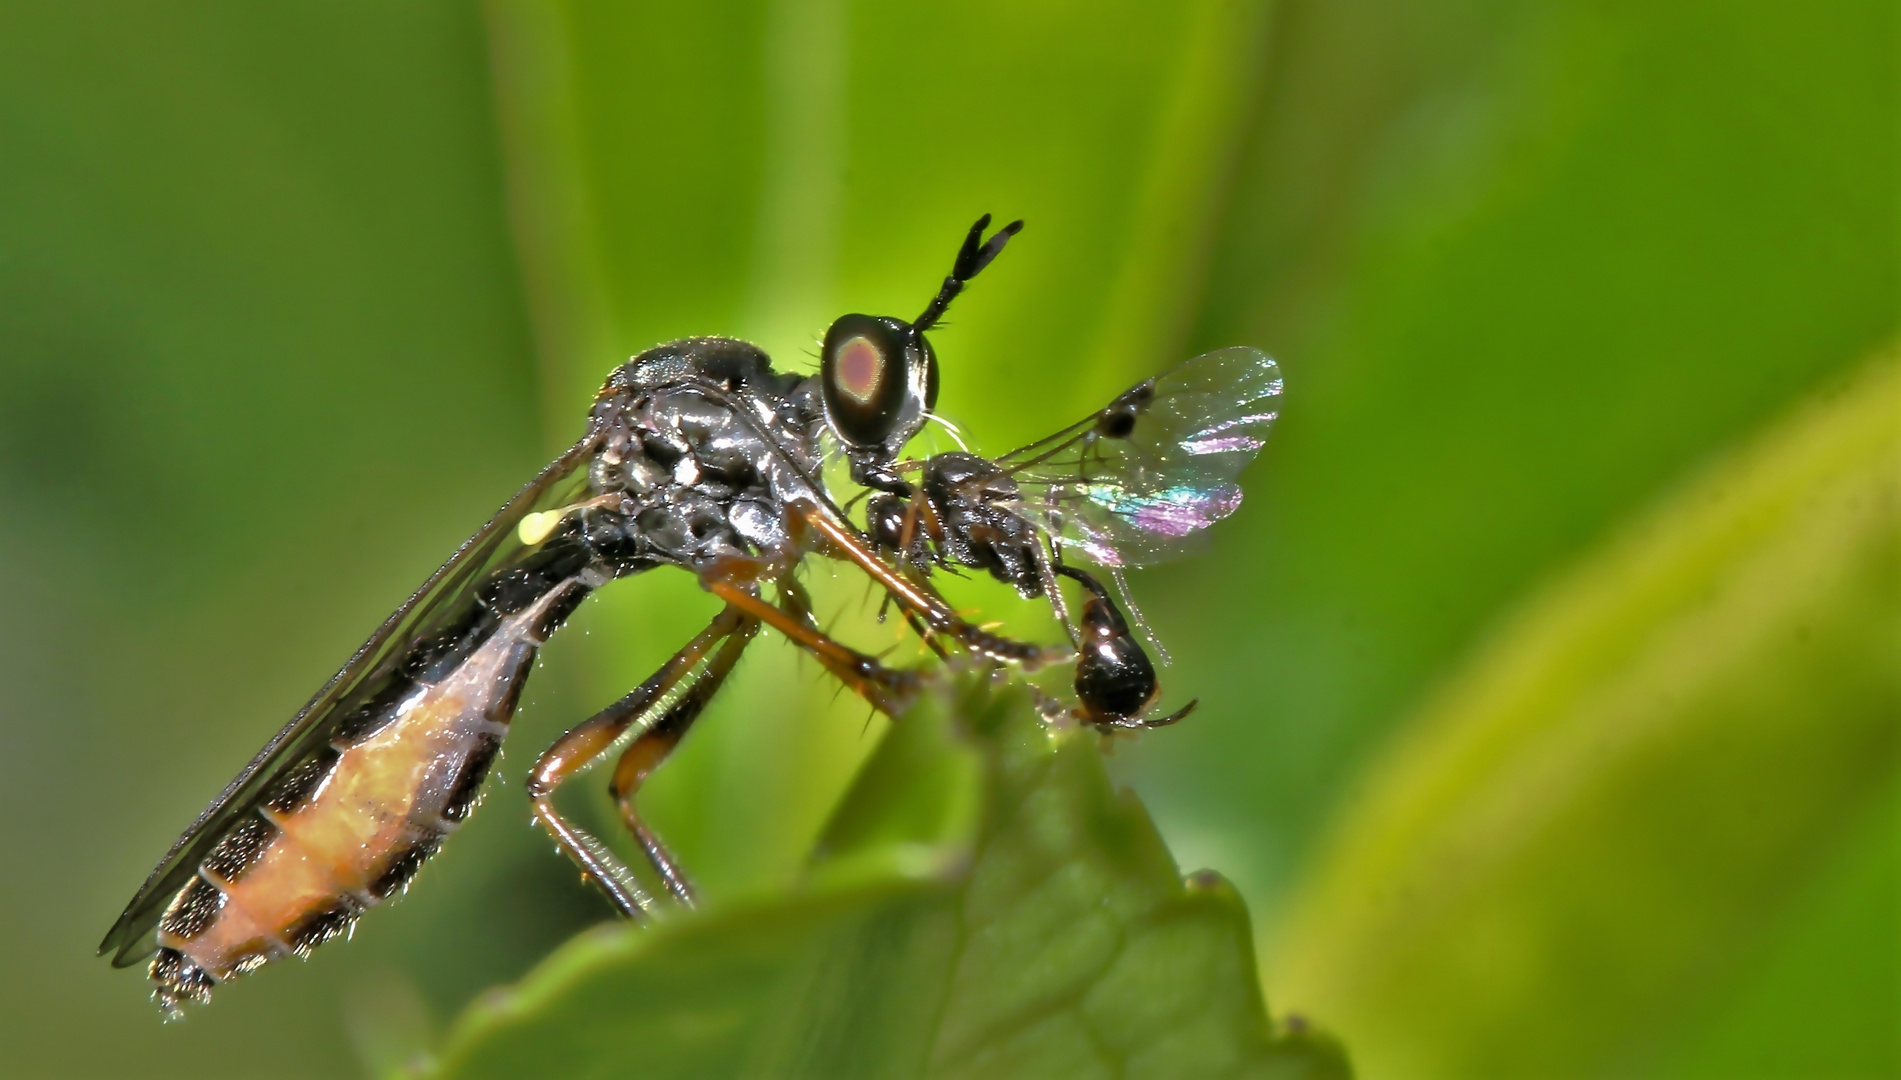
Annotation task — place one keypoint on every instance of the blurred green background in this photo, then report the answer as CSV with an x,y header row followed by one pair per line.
x,y
292,296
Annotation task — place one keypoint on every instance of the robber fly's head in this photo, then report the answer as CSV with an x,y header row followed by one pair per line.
x,y
879,373
880,378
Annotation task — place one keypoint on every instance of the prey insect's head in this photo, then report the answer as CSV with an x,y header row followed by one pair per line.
x,y
879,373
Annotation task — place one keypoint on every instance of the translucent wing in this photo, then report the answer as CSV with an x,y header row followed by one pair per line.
x,y
1136,483
445,601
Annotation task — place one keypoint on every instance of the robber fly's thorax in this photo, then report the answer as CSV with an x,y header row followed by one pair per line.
x,y
704,445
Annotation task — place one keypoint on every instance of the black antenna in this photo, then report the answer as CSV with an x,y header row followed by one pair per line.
x,y
971,258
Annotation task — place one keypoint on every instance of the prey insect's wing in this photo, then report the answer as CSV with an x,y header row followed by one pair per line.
x,y
1136,483
445,600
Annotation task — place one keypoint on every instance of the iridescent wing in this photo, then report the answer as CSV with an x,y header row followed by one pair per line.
x,y
1138,482
445,601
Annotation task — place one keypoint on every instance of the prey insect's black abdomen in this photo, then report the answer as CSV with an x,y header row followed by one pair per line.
x,y
1114,677
1115,680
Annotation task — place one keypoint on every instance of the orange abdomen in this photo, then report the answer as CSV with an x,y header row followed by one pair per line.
x,y
346,828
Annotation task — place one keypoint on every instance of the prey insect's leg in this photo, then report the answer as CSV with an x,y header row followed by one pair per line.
x,y
915,511
652,746
1047,559
1135,613
920,597
913,515
586,741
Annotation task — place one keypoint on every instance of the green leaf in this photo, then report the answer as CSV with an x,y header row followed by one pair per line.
x,y
1602,826
984,904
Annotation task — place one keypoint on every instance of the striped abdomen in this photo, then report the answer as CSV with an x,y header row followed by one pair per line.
x,y
346,828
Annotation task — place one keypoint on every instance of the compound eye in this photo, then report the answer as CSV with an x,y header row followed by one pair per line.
x,y
866,377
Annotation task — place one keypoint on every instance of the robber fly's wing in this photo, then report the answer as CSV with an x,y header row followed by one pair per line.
x,y
1138,482
447,598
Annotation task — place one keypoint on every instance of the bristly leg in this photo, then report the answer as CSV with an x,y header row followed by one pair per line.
x,y
843,542
654,745
586,741
889,689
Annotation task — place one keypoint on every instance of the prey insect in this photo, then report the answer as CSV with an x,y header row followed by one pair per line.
x,y
698,455
1132,485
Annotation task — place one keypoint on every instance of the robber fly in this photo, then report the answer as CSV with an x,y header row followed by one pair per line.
x,y
1131,485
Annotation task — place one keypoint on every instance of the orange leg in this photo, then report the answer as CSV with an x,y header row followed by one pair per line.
x,y
652,746
890,689
586,741
886,688
703,671
917,596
